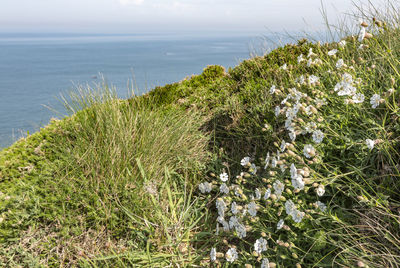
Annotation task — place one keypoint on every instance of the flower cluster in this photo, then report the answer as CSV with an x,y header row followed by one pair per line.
x,y
275,198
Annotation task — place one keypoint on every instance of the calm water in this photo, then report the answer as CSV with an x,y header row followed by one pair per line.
x,y
35,69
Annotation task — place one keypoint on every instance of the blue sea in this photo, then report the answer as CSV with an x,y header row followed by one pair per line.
x,y
36,68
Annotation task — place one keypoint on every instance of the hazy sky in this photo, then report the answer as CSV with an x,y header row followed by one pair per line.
x,y
130,16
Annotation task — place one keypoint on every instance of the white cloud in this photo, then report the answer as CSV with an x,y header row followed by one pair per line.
x,y
131,2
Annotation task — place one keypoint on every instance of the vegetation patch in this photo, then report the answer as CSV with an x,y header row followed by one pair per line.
x,y
290,159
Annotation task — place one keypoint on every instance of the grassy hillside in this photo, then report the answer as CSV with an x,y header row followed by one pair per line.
x,y
288,160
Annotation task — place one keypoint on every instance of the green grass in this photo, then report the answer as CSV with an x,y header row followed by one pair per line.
x,y
116,183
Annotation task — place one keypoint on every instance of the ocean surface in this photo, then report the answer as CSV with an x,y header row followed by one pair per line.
x,y
36,68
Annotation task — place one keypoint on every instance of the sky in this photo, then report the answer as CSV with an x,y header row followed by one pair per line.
x,y
138,16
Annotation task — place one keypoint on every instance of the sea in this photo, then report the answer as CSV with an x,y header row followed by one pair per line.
x,y
37,69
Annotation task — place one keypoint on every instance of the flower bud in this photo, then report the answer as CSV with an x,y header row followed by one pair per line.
x,y
220,255
314,110
368,36
378,23
291,153
263,234
364,24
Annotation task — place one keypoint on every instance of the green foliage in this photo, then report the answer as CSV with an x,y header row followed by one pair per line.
x,y
112,185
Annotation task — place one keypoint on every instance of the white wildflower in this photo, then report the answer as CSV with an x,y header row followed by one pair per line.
x,y
347,90
284,66
317,61
221,207
301,80
361,35
292,135
277,111
260,245
267,194
310,53
283,146
280,224
362,46
240,230
234,208
265,263
266,161
224,223
223,176
231,255
332,52
253,169
309,127
347,78
272,89
309,62
342,43
339,63
298,216
320,102
288,123
321,206
375,99
308,110
291,113
279,187
320,190
233,222
358,98
238,191
245,161
252,208
205,187
273,162
309,151
313,79
289,207
213,255
224,188
285,100
370,143
282,167
257,193
300,58
293,171
298,183
318,136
